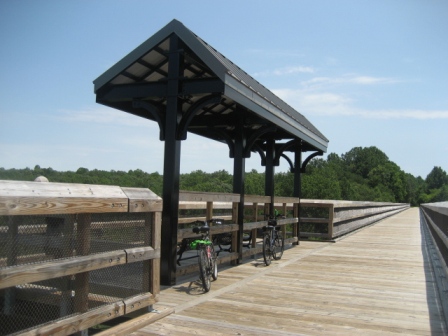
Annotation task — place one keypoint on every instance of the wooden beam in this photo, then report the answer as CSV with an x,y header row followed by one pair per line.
x,y
79,322
48,270
143,200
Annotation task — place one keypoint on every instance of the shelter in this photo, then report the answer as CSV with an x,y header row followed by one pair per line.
x,y
179,81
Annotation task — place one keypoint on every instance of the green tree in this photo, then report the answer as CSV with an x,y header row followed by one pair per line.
x,y
321,184
361,160
254,183
389,178
436,179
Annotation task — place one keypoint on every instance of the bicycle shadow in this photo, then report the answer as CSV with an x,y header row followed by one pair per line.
x,y
194,288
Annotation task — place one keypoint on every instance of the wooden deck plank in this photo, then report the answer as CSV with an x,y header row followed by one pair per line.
x,y
377,281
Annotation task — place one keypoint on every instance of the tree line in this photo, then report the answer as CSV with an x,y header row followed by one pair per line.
x,y
361,174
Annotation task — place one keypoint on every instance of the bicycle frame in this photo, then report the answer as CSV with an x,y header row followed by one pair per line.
x,y
206,256
273,242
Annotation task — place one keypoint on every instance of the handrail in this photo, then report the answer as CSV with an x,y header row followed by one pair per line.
x,y
347,216
52,245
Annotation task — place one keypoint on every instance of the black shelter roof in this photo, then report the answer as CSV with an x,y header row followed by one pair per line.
x,y
212,90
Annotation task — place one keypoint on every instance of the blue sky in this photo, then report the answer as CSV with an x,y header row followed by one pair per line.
x,y
365,73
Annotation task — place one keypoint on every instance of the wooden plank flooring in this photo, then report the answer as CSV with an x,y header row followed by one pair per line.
x,y
377,281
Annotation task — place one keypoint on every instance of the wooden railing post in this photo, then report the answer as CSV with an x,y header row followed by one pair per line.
x,y
266,210
209,211
330,221
235,243
66,251
284,210
11,250
255,219
81,302
296,226
153,222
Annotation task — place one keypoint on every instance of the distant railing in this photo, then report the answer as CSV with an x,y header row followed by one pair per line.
x,y
331,219
73,256
320,219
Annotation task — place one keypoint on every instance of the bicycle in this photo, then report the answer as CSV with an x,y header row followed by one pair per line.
x,y
208,267
273,241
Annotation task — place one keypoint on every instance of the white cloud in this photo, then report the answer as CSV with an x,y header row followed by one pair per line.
x,y
332,104
284,71
347,79
293,70
103,115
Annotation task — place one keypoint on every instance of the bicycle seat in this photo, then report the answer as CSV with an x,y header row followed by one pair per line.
x,y
202,229
217,221
272,222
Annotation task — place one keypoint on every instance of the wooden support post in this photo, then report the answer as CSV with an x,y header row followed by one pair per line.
x,y
269,173
171,164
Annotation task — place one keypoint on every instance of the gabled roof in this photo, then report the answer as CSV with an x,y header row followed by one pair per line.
x,y
140,75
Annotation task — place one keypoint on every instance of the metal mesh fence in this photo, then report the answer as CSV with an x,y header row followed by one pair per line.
x,y
28,240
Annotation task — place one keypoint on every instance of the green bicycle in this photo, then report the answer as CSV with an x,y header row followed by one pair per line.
x,y
208,267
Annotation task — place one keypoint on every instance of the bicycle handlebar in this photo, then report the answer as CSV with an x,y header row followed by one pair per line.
x,y
202,229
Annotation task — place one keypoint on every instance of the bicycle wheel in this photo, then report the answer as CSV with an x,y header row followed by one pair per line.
x,y
204,269
213,263
267,256
279,246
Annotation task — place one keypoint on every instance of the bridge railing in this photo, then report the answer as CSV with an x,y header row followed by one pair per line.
x,y
331,219
73,256
83,254
435,216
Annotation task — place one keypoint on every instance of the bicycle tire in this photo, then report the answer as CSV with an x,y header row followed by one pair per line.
x,y
279,247
267,254
204,273
213,263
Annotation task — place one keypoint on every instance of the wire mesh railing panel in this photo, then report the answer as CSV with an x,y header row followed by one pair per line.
x,y
29,305
30,240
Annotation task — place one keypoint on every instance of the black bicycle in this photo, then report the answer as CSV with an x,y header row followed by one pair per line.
x,y
208,267
273,241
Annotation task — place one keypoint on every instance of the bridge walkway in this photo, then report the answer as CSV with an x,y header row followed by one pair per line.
x,y
377,281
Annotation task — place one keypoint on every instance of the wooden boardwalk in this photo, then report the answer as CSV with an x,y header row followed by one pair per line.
x,y
377,281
